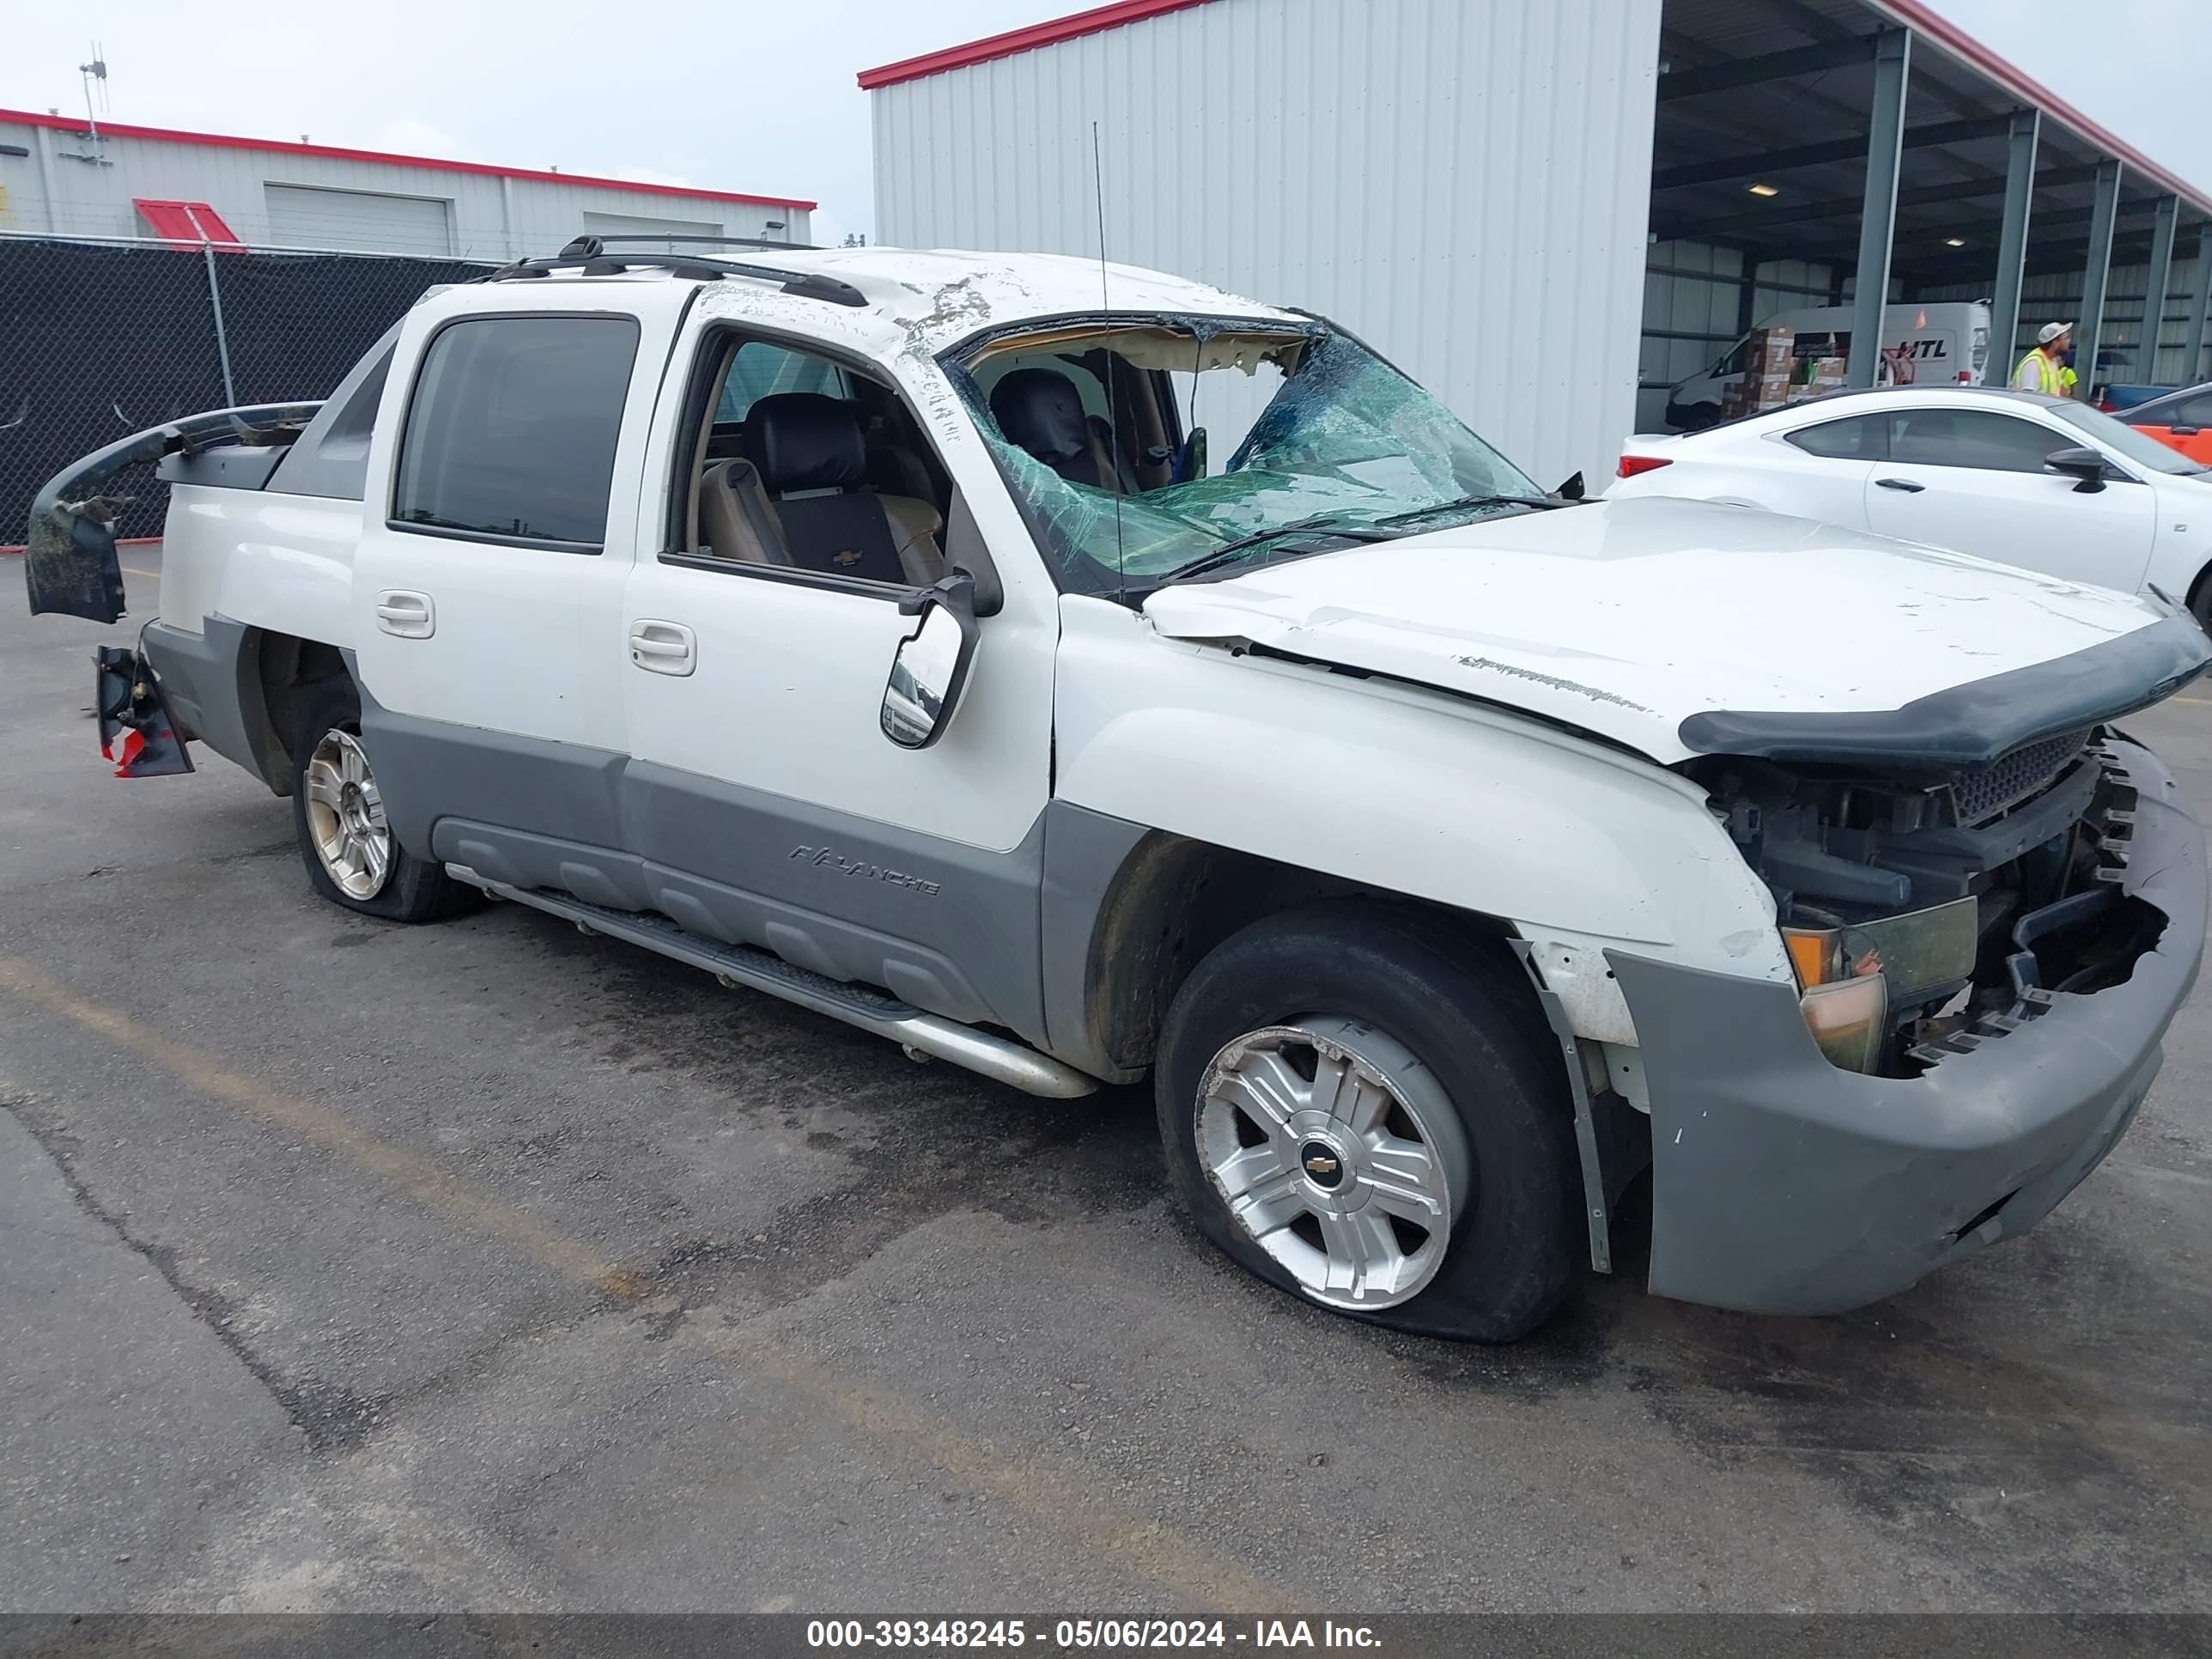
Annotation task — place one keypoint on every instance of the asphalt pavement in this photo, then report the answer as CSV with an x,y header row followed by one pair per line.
x,y
350,1266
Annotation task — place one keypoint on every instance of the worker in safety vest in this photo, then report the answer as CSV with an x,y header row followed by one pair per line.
x,y
2042,370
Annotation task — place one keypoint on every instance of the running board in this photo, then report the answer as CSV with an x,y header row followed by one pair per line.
x,y
742,966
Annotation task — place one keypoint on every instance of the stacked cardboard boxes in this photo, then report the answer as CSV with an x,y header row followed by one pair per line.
x,y
1818,376
1766,366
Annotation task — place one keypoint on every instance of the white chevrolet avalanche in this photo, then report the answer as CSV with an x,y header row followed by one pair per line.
x,y
1073,686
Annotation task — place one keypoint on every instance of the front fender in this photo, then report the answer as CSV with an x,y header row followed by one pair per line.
x,y
1579,844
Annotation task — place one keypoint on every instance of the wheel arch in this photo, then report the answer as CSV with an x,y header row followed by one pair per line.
x,y
278,677
1123,931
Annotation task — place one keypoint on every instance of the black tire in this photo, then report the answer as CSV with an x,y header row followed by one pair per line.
x,y
2200,601
1461,1005
413,889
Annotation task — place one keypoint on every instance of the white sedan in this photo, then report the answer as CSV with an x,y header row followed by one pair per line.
x,y
2042,483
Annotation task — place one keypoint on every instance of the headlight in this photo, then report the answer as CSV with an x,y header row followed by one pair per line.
x,y
1848,1019
1851,973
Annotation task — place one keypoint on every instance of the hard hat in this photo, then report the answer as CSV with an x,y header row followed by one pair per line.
x,y
2050,331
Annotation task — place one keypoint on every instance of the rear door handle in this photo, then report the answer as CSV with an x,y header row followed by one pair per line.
x,y
1905,485
406,615
663,647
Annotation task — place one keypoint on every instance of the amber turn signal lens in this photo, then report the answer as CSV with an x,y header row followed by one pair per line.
x,y
1815,952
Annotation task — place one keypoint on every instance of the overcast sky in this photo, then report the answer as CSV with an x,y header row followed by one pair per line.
x,y
751,96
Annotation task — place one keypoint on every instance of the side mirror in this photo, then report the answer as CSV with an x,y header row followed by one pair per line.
x,y
1191,463
2079,462
1573,489
932,663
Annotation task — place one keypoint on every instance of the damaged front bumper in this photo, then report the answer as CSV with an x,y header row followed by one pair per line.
x,y
1781,1184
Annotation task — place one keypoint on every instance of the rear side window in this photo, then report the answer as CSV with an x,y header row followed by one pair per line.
x,y
1970,437
511,430
1862,438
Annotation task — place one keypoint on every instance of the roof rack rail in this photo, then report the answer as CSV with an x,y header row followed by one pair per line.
x,y
693,241
588,254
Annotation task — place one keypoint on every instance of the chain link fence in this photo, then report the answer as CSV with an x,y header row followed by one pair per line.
x,y
100,339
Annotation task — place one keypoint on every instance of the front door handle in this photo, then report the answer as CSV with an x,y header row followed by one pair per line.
x,y
663,647
1905,484
406,614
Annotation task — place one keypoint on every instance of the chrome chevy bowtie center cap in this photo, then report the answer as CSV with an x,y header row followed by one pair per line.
x,y
1323,1166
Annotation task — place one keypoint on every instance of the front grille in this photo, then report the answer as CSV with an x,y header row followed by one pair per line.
x,y
1982,792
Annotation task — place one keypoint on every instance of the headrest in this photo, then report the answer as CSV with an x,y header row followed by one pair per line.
x,y
1041,409
806,440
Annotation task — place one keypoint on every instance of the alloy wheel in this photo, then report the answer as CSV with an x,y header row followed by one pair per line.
x,y
1338,1153
345,817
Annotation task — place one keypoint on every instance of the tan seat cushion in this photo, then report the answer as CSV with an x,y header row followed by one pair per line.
x,y
739,520
915,523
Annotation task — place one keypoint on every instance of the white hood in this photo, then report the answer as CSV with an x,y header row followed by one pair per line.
x,y
1625,617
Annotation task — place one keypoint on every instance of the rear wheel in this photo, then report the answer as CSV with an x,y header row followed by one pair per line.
x,y
353,859
1359,1106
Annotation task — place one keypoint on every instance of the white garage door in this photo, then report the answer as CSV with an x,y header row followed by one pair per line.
x,y
304,216
631,224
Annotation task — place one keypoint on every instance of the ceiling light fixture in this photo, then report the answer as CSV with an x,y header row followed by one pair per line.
x,y
1766,190
1954,242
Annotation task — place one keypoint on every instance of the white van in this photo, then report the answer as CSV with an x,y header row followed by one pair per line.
x,y
1945,344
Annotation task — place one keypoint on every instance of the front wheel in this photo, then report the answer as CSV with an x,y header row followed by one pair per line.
x,y
353,859
1359,1106
2200,600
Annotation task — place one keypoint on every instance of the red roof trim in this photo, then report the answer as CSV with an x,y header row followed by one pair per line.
x,y
1024,40
333,152
188,225
1962,46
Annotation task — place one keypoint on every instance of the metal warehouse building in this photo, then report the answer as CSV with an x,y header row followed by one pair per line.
x,y
61,176
1549,211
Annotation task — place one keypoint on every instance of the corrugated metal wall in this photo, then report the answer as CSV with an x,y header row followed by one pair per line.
x,y
372,207
2058,298
1464,185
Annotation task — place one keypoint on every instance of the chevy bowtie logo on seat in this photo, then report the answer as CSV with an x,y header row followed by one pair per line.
x,y
849,557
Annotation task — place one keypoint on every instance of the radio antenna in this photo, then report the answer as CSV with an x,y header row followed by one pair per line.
x,y
1113,385
88,73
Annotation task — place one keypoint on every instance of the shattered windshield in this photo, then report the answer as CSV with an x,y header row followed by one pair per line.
x,y
1148,450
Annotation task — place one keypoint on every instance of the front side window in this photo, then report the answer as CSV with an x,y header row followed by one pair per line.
x,y
2130,442
2193,411
511,429
1322,436
821,471
1972,438
1862,438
